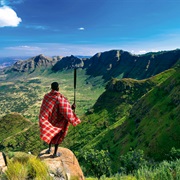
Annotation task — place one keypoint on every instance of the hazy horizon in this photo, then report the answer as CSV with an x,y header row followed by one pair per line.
x,y
80,55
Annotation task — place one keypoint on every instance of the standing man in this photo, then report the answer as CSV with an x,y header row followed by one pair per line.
x,y
55,116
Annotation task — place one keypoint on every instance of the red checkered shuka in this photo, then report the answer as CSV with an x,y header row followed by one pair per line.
x,y
55,117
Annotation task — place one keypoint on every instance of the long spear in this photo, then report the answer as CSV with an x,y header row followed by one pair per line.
x,y
75,77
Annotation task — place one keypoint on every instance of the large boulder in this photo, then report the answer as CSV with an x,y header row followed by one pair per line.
x,y
66,166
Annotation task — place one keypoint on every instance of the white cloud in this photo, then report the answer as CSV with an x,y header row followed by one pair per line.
x,y
26,48
37,27
81,29
8,17
142,52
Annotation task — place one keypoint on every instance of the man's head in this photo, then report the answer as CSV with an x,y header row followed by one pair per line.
x,y
55,86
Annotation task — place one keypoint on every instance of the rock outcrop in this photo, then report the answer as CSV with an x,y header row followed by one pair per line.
x,y
3,165
66,166
69,62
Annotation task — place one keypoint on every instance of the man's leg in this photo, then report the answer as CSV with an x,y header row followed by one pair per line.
x,y
57,138
56,154
49,149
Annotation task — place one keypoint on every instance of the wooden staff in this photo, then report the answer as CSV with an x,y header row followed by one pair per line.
x,y
75,77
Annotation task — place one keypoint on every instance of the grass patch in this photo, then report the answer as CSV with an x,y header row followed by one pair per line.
x,y
23,166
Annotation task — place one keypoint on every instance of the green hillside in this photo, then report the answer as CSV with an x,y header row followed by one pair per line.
x,y
154,120
132,114
12,124
19,134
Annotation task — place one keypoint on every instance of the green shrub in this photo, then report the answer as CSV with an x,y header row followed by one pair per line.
x,y
163,171
174,154
97,163
132,161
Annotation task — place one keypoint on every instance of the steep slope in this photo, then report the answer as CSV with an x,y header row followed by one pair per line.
x,y
110,109
12,124
19,134
138,114
153,123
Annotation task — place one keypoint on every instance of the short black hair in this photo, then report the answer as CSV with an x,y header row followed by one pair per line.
x,y
55,86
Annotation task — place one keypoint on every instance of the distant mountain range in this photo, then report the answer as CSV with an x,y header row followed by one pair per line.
x,y
114,63
33,63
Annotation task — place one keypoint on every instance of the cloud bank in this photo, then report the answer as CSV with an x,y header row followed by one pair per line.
x,y
8,17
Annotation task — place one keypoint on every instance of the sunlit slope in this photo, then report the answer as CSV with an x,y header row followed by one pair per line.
x,y
153,123
11,125
132,114
19,134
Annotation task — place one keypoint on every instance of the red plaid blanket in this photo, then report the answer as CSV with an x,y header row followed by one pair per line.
x,y
55,117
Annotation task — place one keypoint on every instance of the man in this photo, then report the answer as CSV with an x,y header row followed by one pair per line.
x,y
55,116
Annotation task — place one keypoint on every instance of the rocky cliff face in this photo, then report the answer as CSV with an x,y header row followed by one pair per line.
x,y
122,64
69,62
33,63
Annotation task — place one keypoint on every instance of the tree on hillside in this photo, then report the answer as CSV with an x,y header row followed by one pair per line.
x,y
97,162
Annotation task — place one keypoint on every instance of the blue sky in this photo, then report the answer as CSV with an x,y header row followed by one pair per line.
x,y
85,27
